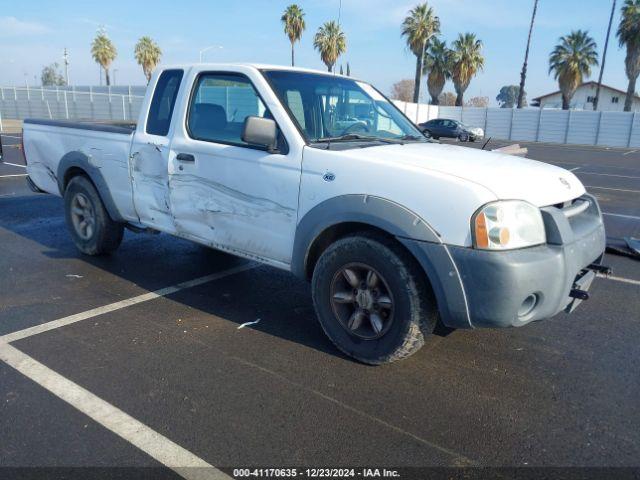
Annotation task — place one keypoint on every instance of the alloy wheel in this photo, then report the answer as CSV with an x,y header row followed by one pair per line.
x,y
362,301
83,216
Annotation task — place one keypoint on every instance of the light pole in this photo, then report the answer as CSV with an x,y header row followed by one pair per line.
x,y
523,73
65,57
115,71
604,57
206,49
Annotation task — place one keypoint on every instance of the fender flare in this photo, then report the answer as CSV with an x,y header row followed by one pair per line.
x,y
420,238
367,209
82,161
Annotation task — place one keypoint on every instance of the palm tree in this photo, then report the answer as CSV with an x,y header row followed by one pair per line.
x,y
103,52
419,26
523,73
293,20
629,36
331,42
466,62
571,60
438,63
148,54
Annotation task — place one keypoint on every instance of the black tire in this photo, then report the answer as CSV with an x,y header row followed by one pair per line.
x,y
463,137
103,235
414,314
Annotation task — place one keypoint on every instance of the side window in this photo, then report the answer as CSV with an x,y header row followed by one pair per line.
x,y
219,106
163,102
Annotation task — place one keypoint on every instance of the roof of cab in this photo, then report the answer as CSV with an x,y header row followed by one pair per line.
x,y
257,66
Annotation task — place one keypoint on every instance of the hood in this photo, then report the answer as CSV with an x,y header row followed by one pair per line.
x,y
507,177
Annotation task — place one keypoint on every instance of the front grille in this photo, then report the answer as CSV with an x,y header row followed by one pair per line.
x,y
573,219
574,207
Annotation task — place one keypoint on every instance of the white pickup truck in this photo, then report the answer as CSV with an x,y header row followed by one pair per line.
x,y
321,175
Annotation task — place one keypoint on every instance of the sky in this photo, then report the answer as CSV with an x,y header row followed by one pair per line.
x,y
33,33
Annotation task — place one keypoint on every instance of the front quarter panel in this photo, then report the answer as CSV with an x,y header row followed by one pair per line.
x,y
444,202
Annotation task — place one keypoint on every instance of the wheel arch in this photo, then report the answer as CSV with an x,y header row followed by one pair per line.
x,y
78,163
346,214
343,215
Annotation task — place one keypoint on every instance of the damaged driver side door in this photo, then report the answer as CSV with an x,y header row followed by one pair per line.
x,y
224,192
149,157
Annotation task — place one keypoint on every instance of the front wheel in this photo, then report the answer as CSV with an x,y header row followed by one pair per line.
x,y
92,229
463,137
372,299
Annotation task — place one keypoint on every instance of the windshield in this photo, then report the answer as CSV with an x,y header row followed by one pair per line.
x,y
330,108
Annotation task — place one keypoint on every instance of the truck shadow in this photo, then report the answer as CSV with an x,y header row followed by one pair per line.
x,y
281,301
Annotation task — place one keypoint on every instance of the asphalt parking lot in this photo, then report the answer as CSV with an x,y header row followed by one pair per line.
x,y
97,371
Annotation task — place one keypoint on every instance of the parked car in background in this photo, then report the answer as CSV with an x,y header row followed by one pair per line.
x,y
445,128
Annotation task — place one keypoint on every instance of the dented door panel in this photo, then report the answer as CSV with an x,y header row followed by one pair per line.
x,y
150,181
235,198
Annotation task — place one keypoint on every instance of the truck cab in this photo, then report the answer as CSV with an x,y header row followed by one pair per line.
x,y
321,175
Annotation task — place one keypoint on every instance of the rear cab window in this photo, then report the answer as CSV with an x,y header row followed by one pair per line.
x,y
163,102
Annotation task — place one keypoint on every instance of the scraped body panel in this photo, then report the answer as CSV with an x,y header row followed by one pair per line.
x,y
100,153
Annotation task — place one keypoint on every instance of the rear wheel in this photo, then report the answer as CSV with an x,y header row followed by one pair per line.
x,y
92,229
372,299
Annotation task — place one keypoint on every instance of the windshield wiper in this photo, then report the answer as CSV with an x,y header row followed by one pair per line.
x,y
356,136
412,137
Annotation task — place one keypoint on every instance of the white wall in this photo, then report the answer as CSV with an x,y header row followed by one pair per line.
x,y
20,103
583,127
418,112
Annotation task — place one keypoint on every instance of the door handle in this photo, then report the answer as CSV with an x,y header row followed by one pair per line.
x,y
185,157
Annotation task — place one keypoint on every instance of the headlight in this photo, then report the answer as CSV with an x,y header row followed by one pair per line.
x,y
507,224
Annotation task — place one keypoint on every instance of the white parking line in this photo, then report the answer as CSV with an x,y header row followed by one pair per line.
x,y
608,175
574,169
135,432
162,449
629,152
614,189
15,164
620,279
78,317
15,175
633,217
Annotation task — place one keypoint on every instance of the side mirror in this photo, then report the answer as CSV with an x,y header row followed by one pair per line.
x,y
262,132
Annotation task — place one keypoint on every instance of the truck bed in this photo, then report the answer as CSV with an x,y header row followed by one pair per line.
x,y
101,149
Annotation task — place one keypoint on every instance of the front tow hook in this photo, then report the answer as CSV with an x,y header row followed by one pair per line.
x,y
579,294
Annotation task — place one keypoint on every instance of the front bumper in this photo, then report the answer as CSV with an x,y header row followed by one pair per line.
x,y
512,288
